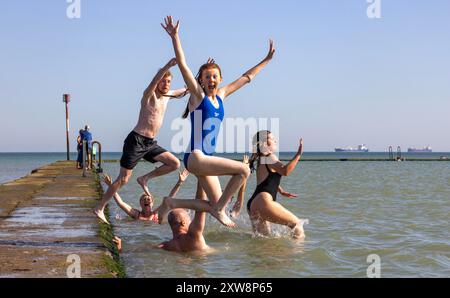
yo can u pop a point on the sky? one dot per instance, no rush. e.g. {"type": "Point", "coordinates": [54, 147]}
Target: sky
{"type": "Point", "coordinates": [338, 78]}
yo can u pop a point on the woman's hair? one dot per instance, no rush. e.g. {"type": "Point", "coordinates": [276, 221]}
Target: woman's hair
{"type": "Point", "coordinates": [258, 139]}
{"type": "Point", "coordinates": [198, 77]}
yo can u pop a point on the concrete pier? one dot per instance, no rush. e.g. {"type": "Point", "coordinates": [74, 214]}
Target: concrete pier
{"type": "Point", "coordinates": [47, 228]}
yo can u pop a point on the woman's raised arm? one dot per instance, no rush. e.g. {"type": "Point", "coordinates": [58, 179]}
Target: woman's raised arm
{"type": "Point", "coordinates": [248, 76]}
{"type": "Point", "coordinates": [188, 77]}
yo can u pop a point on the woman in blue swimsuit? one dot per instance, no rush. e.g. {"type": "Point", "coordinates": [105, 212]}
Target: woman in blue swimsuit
{"type": "Point", "coordinates": [206, 111]}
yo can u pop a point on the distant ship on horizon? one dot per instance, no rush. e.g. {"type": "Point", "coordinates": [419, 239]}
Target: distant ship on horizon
{"type": "Point", "coordinates": [417, 150]}
{"type": "Point", "coordinates": [360, 148]}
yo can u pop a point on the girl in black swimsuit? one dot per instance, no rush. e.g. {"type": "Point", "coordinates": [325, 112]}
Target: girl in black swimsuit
{"type": "Point", "coordinates": [262, 206]}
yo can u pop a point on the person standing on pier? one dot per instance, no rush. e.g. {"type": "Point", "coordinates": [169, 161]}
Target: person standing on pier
{"type": "Point", "coordinates": [86, 135]}
{"type": "Point", "coordinates": [79, 150]}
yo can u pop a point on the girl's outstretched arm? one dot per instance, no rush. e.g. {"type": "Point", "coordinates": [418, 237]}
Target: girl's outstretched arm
{"type": "Point", "coordinates": [133, 213]}
{"type": "Point", "coordinates": [188, 77]}
{"type": "Point", "coordinates": [248, 76]}
{"type": "Point", "coordinates": [274, 164]}
{"type": "Point", "coordinates": [285, 193]}
{"type": "Point", "coordinates": [181, 178]}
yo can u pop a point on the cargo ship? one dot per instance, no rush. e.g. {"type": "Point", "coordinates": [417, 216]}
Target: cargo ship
{"type": "Point", "coordinates": [419, 150]}
{"type": "Point", "coordinates": [360, 148]}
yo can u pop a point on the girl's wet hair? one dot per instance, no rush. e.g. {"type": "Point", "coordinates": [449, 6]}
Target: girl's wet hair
{"type": "Point", "coordinates": [260, 137]}
{"type": "Point", "coordinates": [198, 77]}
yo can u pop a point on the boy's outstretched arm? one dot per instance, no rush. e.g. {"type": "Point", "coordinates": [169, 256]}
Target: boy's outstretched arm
{"type": "Point", "coordinates": [179, 93]}
{"type": "Point", "coordinates": [248, 75]}
{"type": "Point", "coordinates": [159, 75]}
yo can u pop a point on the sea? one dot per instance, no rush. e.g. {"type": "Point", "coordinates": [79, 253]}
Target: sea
{"type": "Point", "coordinates": [385, 217]}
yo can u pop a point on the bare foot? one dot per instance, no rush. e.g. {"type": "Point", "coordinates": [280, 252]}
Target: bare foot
{"type": "Point", "coordinates": [143, 183]}
{"type": "Point", "coordinates": [164, 209]}
{"type": "Point", "coordinates": [223, 218]}
{"type": "Point", "coordinates": [99, 213]}
{"type": "Point", "coordinates": [298, 231]}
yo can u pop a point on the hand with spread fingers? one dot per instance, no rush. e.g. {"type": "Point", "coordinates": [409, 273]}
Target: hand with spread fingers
{"type": "Point", "coordinates": [170, 28]}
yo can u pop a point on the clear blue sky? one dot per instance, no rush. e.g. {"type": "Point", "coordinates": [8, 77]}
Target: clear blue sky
{"type": "Point", "coordinates": [338, 78]}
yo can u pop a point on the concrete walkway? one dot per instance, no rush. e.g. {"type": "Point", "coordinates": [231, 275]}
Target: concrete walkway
{"type": "Point", "coordinates": [46, 223]}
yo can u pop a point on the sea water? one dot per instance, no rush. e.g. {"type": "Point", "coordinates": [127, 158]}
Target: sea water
{"type": "Point", "coordinates": [397, 210]}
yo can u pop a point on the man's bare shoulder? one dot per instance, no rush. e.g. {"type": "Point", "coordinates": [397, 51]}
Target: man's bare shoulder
{"type": "Point", "coordinates": [193, 241]}
{"type": "Point", "coordinates": [148, 97]}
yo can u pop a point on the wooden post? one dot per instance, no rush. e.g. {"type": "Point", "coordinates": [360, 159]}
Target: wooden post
{"type": "Point", "coordinates": [66, 100]}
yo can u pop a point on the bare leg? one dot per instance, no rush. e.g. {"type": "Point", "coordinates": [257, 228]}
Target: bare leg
{"type": "Point", "coordinates": [202, 166]}
{"type": "Point", "coordinates": [124, 175]}
{"type": "Point", "coordinates": [212, 191]}
{"type": "Point", "coordinates": [170, 164]}
{"type": "Point", "coordinates": [260, 226]}
{"type": "Point", "coordinates": [239, 202]}
{"type": "Point", "coordinates": [171, 203]}
{"type": "Point", "coordinates": [266, 209]}
{"type": "Point", "coordinates": [89, 161]}
{"type": "Point", "coordinates": [211, 186]}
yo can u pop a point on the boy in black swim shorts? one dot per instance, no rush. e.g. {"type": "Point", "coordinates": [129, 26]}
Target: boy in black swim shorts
{"type": "Point", "coordinates": [140, 143]}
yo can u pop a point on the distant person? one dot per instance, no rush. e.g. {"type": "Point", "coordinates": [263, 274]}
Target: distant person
{"type": "Point", "coordinates": [146, 213]}
{"type": "Point", "coordinates": [79, 150]}
{"type": "Point", "coordinates": [140, 142]}
{"type": "Point", "coordinates": [262, 206]}
{"type": "Point", "coordinates": [86, 135]}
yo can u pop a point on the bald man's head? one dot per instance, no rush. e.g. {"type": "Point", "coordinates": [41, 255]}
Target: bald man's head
{"type": "Point", "coordinates": [178, 218]}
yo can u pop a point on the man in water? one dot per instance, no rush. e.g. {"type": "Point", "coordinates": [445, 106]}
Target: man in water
{"type": "Point", "coordinates": [187, 234]}
{"type": "Point", "coordinates": [141, 143]}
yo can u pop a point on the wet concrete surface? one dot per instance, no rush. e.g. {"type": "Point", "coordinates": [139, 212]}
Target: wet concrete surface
{"type": "Point", "coordinates": [47, 216]}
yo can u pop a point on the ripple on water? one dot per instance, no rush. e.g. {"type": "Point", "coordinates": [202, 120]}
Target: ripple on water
{"type": "Point", "coordinates": [396, 210]}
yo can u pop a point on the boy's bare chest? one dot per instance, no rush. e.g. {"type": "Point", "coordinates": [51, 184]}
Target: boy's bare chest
{"type": "Point", "coordinates": [156, 106]}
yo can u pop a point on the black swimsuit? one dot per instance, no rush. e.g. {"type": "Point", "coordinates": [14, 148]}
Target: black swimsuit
{"type": "Point", "coordinates": [269, 185]}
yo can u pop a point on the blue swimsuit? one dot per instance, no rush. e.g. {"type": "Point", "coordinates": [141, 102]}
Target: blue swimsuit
{"type": "Point", "coordinates": [205, 125]}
